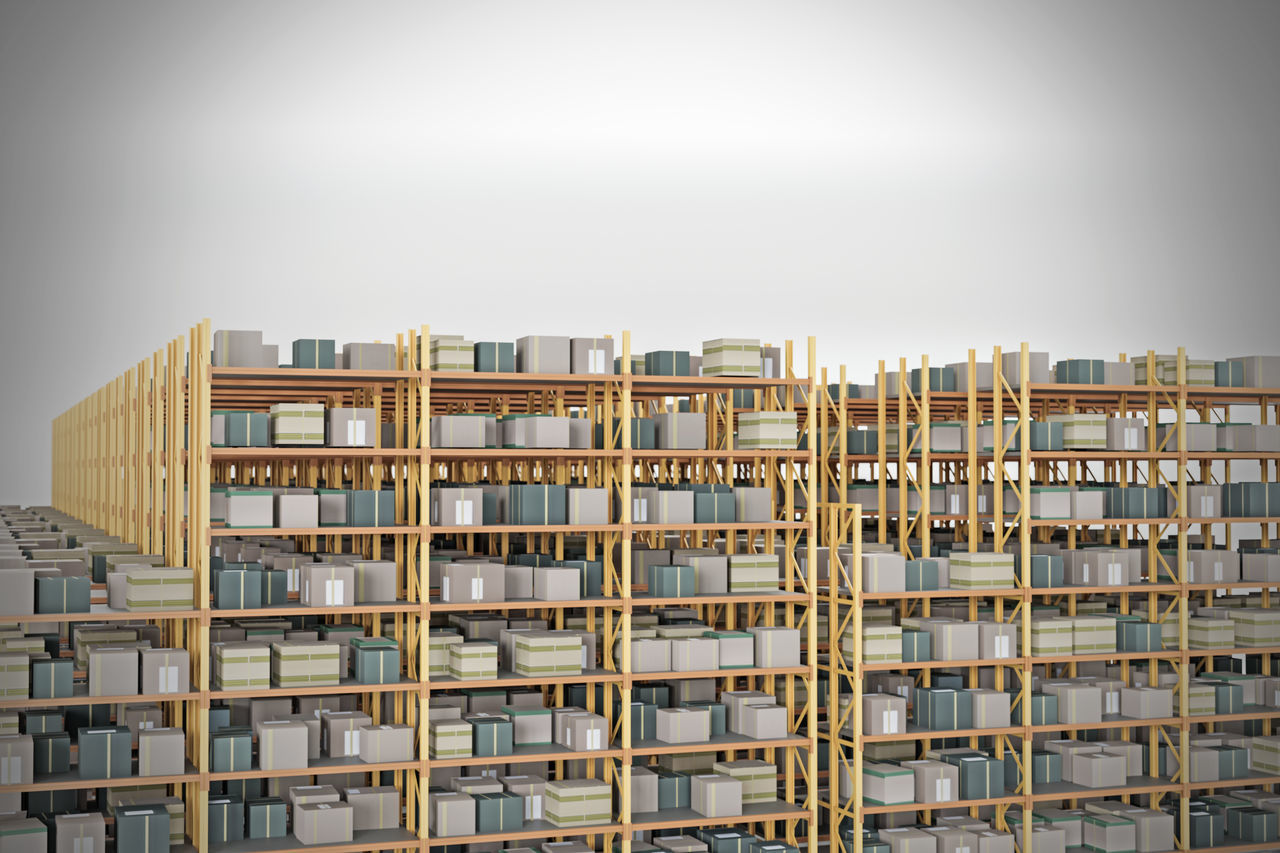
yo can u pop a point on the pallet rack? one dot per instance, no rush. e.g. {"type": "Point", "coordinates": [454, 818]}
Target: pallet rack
{"type": "Point", "coordinates": [1165, 593]}
{"type": "Point", "coordinates": [120, 455]}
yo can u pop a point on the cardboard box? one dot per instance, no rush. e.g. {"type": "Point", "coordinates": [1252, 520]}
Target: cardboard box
{"type": "Point", "coordinates": [473, 582]}
{"type": "Point", "coordinates": [543, 354]}
{"type": "Point", "coordinates": [683, 725]}
{"type": "Point", "coordinates": [105, 752]}
{"type": "Point", "coordinates": [681, 430]}
{"type": "Point", "coordinates": [715, 795]}
{"type": "Point", "coordinates": [451, 354]}
{"type": "Point", "coordinates": [1099, 770]}
{"type": "Point", "coordinates": [884, 714]}
{"type": "Point", "coordinates": [887, 784]}
{"type": "Point", "coordinates": [304, 664]}
{"type": "Point", "coordinates": [591, 355]}
{"type": "Point", "coordinates": [473, 661]}
{"type": "Point", "coordinates": [327, 585]}
{"type": "Point", "coordinates": [74, 833]}
{"type": "Point", "coordinates": [323, 823]}
{"type": "Point", "coordinates": [113, 671]}
{"type": "Point", "coordinates": [241, 666]}
{"type": "Point", "coordinates": [776, 646]}
{"type": "Point", "coordinates": [162, 752]}
{"type": "Point", "coordinates": [297, 424]}
{"type": "Point", "coordinates": [577, 802]}
{"type": "Point", "coordinates": [767, 431]}
{"type": "Point", "coordinates": [935, 781]}
{"type": "Point", "coordinates": [731, 357]}
{"type": "Point", "coordinates": [386, 743]}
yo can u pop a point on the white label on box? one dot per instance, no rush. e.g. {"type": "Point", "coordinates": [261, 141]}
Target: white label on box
{"type": "Point", "coordinates": [1131, 438]}
{"type": "Point", "coordinates": [1217, 570]}
{"type": "Point", "coordinates": [355, 432]}
{"type": "Point", "coordinates": [593, 739]}
{"type": "Point", "coordinates": [982, 503]}
{"type": "Point", "coordinates": [955, 504]}
{"type": "Point", "coordinates": [169, 679]}
{"type": "Point", "coordinates": [146, 724]}
{"type": "Point", "coordinates": [533, 807]}
{"type": "Point", "coordinates": [351, 742]}
{"type": "Point", "coordinates": [585, 662]}
{"type": "Point", "coordinates": [1114, 576]}
{"type": "Point", "coordinates": [1206, 506]}
{"type": "Point", "coordinates": [333, 592]}
{"type": "Point", "coordinates": [462, 512]}
{"type": "Point", "coordinates": [595, 361]}
{"type": "Point", "coordinates": [1002, 647]}
{"type": "Point", "coordinates": [85, 844]}
{"type": "Point", "coordinates": [638, 511]}
{"type": "Point", "coordinates": [444, 587]}
{"type": "Point", "coordinates": [904, 691]}
{"type": "Point", "coordinates": [11, 770]}
{"type": "Point", "coordinates": [1113, 702]}
{"type": "Point", "coordinates": [891, 722]}
{"type": "Point", "coordinates": [942, 790]}
{"type": "Point", "coordinates": [768, 368]}
{"type": "Point", "coordinates": [477, 589]}
{"type": "Point", "coordinates": [292, 578]}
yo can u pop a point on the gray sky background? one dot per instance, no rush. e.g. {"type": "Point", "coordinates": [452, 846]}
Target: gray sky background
{"type": "Point", "coordinates": [894, 177]}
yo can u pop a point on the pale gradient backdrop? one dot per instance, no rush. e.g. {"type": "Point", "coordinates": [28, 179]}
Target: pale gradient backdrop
{"type": "Point", "coordinates": [893, 177]}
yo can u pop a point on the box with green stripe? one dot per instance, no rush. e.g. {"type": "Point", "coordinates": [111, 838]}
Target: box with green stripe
{"type": "Point", "coordinates": [543, 653]}
{"type": "Point", "coordinates": [158, 588]}
{"type": "Point", "coordinates": [767, 431]}
{"type": "Point", "coordinates": [304, 664]}
{"type": "Point", "coordinates": [578, 802]}
{"type": "Point", "coordinates": [297, 424]}
{"type": "Point", "coordinates": [731, 357]}
{"type": "Point", "coordinates": [449, 739]}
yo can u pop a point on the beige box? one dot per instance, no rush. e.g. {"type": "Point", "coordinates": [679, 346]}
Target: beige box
{"type": "Point", "coordinates": [953, 640]}
{"type": "Point", "coordinates": [695, 654]}
{"type": "Point", "coordinates": [547, 653]}
{"type": "Point", "coordinates": [164, 671]}
{"type": "Point", "coordinates": [1127, 434]}
{"type": "Point", "coordinates": [1146, 703]}
{"type": "Point", "coordinates": [78, 833]}
{"type": "Point", "coordinates": [462, 583]}
{"type": "Point", "coordinates": [374, 808]}
{"type": "Point", "coordinates": [776, 647]}
{"type": "Point", "coordinates": [681, 430]}
{"type": "Point", "coordinates": [883, 572]}
{"type": "Point", "coordinates": [386, 743]}
{"type": "Point", "coordinates": [762, 721]}
{"type": "Point", "coordinates": [997, 640]}
{"type": "Point", "coordinates": [990, 708]}
{"type": "Point", "coordinates": [17, 759]}
{"type": "Point", "coordinates": [715, 795]}
{"type": "Point", "coordinates": [1079, 704]}
{"type": "Point", "coordinates": [457, 507]}
{"type": "Point", "coordinates": [241, 666]}
{"type": "Point", "coordinates": [587, 505]}
{"type": "Point", "coordinates": [557, 583]}
{"type": "Point", "coordinates": [449, 738]}
{"type": "Point", "coordinates": [935, 781]}
{"type": "Point", "coordinates": [113, 671]}
{"type": "Point", "coordinates": [283, 744]}
{"type": "Point", "coordinates": [162, 752]}
{"type": "Point", "coordinates": [323, 823]}
{"type": "Point", "coordinates": [375, 580]}
{"type": "Point", "coordinates": [651, 655]}
{"type": "Point", "coordinates": [883, 714]}
{"type": "Point", "coordinates": [683, 725]}
{"type": "Point", "coordinates": [1100, 770]}
{"type": "Point", "coordinates": [327, 585]}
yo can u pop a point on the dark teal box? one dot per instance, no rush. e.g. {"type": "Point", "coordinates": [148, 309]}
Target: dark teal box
{"type": "Point", "coordinates": [943, 709]}
{"type": "Point", "coordinates": [41, 721]}
{"type": "Point", "coordinates": [231, 749]}
{"type": "Point", "coordinates": [52, 753]}
{"type": "Point", "coordinates": [371, 508]}
{"type": "Point", "coordinates": [266, 817]}
{"type": "Point", "coordinates": [142, 829]}
{"type": "Point", "coordinates": [1139, 636]}
{"type": "Point", "coordinates": [1044, 711]}
{"type": "Point", "coordinates": [502, 812]}
{"type": "Point", "coordinates": [246, 429]}
{"type": "Point", "coordinates": [672, 581]}
{"type": "Point", "coordinates": [62, 595]}
{"type": "Point", "coordinates": [226, 819]}
{"type": "Point", "coordinates": [1233, 762]}
{"type": "Point", "coordinates": [105, 753]}
{"type": "Point", "coordinates": [940, 379]}
{"type": "Point", "coordinates": [51, 678]}
{"type": "Point", "coordinates": [237, 589]}
{"type": "Point", "coordinates": [863, 442]}
{"type": "Point", "coordinates": [495, 357]}
{"type": "Point", "coordinates": [654, 694]}
{"type": "Point", "coordinates": [714, 509]}
{"type": "Point", "coordinates": [1081, 371]}
{"type": "Point", "coordinates": [916, 647]}
{"type": "Point", "coordinates": [1229, 699]}
{"type": "Point", "coordinates": [491, 737]}
{"type": "Point", "coordinates": [673, 789]}
{"type": "Point", "coordinates": [644, 435]}
{"type": "Point", "coordinates": [274, 589]}
{"type": "Point", "coordinates": [922, 575]}
{"type": "Point", "coordinates": [666, 363]}
{"type": "Point", "coordinates": [644, 721]}
{"type": "Point", "coordinates": [314, 353]}
{"type": "Point", "coordinates": [981, 777]}
{"type": "Point", "coordinates": [1228, 374]}
{"type": "Point", "coordinates": [1046, 571]}
{"type": "Point", "coordinates": [537, 504]}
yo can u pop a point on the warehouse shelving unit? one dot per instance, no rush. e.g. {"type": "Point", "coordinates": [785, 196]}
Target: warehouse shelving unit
{"type": "Point", "coordinates": [1011, 467]}
{"type": "Point", "coordinates": [119, 455]}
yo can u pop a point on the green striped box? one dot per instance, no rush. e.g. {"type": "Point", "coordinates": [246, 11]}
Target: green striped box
{"type": "Point", "coordinates": [473, 661]}
{"type": "Point", "coordinates": [449, 739]}
{"type": "Point", "coordinates": [731, 357]}
{"type": "Point", "coordinates": [297, 424]}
